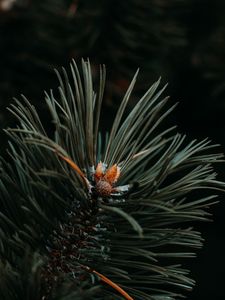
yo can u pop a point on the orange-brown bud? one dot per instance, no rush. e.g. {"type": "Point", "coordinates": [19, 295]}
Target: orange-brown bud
{"type": "Point", "coordinates": [112, 174]}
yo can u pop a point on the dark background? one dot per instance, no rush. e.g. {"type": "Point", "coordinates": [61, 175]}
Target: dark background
{"type": "Point", "coordinates": [181, 40]}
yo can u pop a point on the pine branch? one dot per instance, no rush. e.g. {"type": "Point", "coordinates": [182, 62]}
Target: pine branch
{"type": "Point", "coordinates": [90, 214]}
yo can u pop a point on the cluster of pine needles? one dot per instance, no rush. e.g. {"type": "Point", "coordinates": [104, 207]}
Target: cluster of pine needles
{"type": "Point", "coordinates": [90, 214]}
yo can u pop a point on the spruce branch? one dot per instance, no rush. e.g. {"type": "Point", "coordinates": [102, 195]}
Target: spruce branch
{"type": "Point", "coordinates": [90, 215]}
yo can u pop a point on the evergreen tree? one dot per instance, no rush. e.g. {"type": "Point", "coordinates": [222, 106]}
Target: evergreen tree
{"type": "Point", "coordinates": [180, 40]}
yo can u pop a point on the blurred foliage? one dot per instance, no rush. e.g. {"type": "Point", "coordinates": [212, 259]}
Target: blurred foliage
{"type": "Point", "coordinates": [209, 39]}
{"type": "Point", "coordinates": [36, 35]}
{"type": "Point", "coordinates": [163, 38]}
